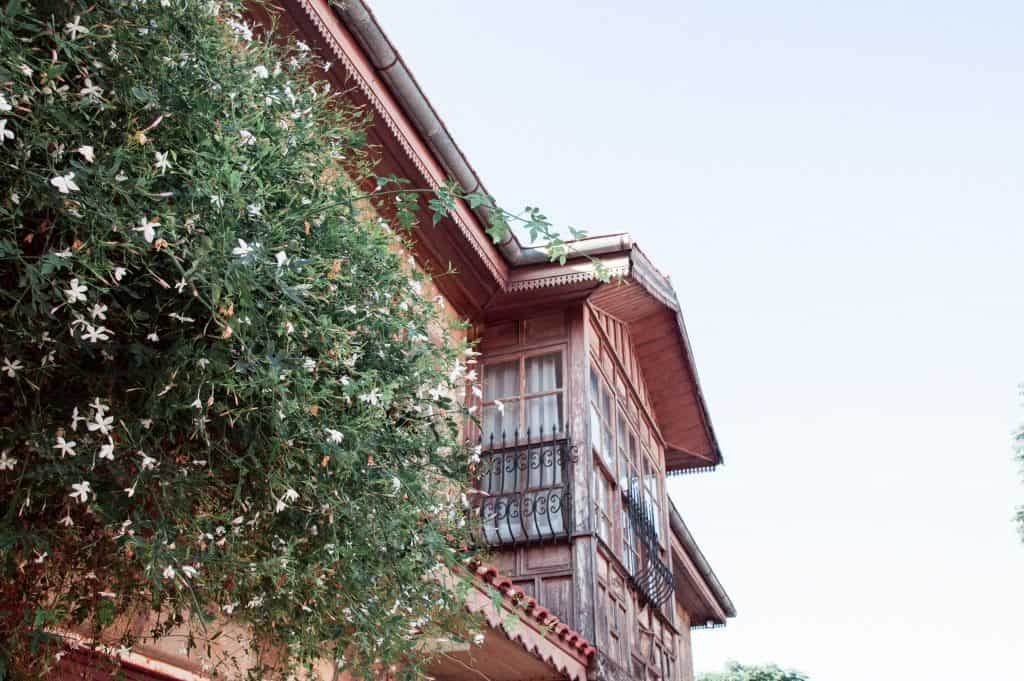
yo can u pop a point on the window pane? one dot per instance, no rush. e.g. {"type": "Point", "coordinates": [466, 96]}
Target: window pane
{"type": "Point", "coordinates": [497, 422]}
{"type": "Point", "coordinates": [501, 380]}
{"type": "Point", "coordinates": [544, 373]}
{"type": "Point", "coordinates": [606, 405]}
{"type": "Point", "coordinates": [595, 429]}
{"type": "Point", "coordinates": [544, 414]}
{"type": "Point", "coordinates": [595, 385]}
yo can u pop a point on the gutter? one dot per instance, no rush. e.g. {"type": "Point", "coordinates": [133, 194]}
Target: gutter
{"type": "Point", "coordinates": [693, 551]}
{"type": "Point", "coordinates": [390, 67]}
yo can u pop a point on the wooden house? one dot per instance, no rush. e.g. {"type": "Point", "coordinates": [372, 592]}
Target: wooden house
{"type": "Point", "coordinates": [590, 399]}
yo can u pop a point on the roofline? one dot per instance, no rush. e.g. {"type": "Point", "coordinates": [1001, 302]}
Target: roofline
{"type": "Point", "coordinates": [697, 556]}
{"type": "Point", "coordinates": [659, 286]}
{"type": "Point", "coordinates": [391, 68]}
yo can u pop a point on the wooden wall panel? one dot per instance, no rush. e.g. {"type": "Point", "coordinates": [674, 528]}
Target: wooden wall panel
{"type": "Point", "coordinates": [546, 557]}
{"type": "Point", "coordinates": [557, 596]}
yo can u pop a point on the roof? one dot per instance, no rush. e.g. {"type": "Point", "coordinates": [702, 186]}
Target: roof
{"type": "Point", "coordinates": [571, 639]}
{"type": "Point", "coordinates": [697, 586]}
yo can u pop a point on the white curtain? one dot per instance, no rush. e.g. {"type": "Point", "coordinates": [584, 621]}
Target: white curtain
{"type": "Point", "coordinates": [543, 374]}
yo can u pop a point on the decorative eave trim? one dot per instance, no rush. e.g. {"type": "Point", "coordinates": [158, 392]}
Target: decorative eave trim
{"type": "Point", "coordinates": [329, 28]}
{"type": "Point", "coordinates": [565, 279]}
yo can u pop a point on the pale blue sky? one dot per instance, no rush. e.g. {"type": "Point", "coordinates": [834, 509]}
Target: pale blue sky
{"type": "Point", "coordinates": [835, 189]}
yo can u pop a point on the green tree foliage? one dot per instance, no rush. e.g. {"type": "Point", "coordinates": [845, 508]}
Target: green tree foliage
{"type": "Point", "coordinates": [1018, 447]}
{"type": "Point", "coordinates": [222, 392]}
{"type": "Point", "coordinates": [734, 671]}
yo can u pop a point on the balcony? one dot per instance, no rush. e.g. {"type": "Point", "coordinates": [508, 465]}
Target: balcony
{"type": "Point", "coordinates": [651, 578]}
{"type": "Point", "coordinates": [524, 492]}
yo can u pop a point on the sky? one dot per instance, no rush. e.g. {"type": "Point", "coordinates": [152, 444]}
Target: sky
{"type": "Point", "coordinates": [834, 188]}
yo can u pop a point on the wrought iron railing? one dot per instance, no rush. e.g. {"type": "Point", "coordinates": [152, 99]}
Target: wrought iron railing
{"type": "Point", "coordinates": [524, 490]}
{"type": "Point", "coordinates": [651, 578]}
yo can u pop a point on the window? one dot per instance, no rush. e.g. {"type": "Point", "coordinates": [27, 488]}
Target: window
{"type": "Point", "coordinates": [601, 438]}
{"type": "Point", "coordinates": [602, 504]}
{"type": "Point", "coordinates": [617, 643]}
{"type": "Point", "coordinates": [523, 395]}
{"type": "Point", "coordinates": [651, 494]}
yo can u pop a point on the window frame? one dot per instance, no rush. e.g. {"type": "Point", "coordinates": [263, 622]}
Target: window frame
{"type": "Point", "coordinates": [521, 398]}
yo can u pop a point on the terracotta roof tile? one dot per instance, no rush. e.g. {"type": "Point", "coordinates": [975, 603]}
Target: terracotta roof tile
{"type": "Point", "coordinates": [563, 632]}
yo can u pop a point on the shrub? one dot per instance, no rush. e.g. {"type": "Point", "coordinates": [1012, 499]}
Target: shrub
{"type": "Point", "coordinates": [218, 397]}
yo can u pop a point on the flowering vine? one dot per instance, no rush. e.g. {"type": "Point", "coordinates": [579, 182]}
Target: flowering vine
{"type": "Point", "coordinates": [223, 395]}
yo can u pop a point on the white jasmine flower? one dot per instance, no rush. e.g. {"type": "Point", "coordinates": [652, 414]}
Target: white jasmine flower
{"type": "Point", "coordinates": [478, 639]}
{"type": "Point", "coordinates": [217, 201]}
{"type": "Point", "coordinates": [500, 406]}
{"type": "Point", "coordinates": [64, 183]}
{"type": "Point", "coordinates": [148, 462]}
{"type": "Point", "coordinates": [168, 572]}
{"type": "Point", "coordinates": [477, 392]}
{"type": "Point", "coordinates": [189, 571]}
{"type": "Point", "coordinates": [153, 337]}
{"type": "Point", "coordinates": [75, 28]}
{"type": "Point", "coordinates": [5, 134]}
{"type": "Point", "coordinates": [146, 423]}
{"type": "Point", "coordinates": [261, 72]}
{"type": "Point", "coordinates": [309, 364]}
{"type": "Point", "coordinates": [66, 521]}
{"type": "Point", "coordinates": [76, 294]}
{"type": "Point", "coordinates": [87, 152]}
{"type": "Point", "coordinates": [162, 163]}
{"type": "Point", "coordinates": [96, 333]}
{"type": "Point", "coordinates": [102, 423]}
{"type": "Point", "coordinates": [335, 436]}
{"type": "Point", "coordinates": [130, 491]}
{"type": "Point", "coordinates": [90, 90]}
{"type": "Point", "coordinates": [98, 311]}
{"type": "Point", "coordinates": [372, 397]}
{"type": "Point", "coordinates": [119, 273]}
{"type": "Point", "coordinates": [82, 490]}
{"type": "Point", "coordinates": [281, 258]}
{"type": "Point", "coordinates": [98, 406]}
{"type": "Point", "coordinates": [289, 327]}
{"type": "Point", "coordinates": [11, 368]}
{"type": "Point", "coordinates": [6, 462]}
{"type": "Point", "coordinates": [396, 484]}
{"type": "Point", "coordinates": [254, 209]}
{"type": "Point", "coordinates": [248, 139]}
{"type": "Point", "coordinates": [180, 286]}
{"type": "Point", "coordinates": [15, 198]}
{"type": "Point", "coordinates": [25, 70]}
{"type": "Point", "coordinates": [243, 249]}
{"type": "Point", "coordinates": [65, 254]}
{"type": "Point", "coordinates": [107, 450]}
{"type": "Point", "coordinates": [75, 418]}
{"type": "Point", "coordinates": [291, 495]}
{"type": "Point", "coordinates": [147, 227]}
{"type": "Point", "coordinates": [40, 557]}
{"type": "Point", "coordinates": [180, 317]}
{"type": "Point", "coordinates": [4, 104]}
{"type": "Point", "coordinates": [66, 448]}
{"type": "Point", "coordinates": [120, 177]}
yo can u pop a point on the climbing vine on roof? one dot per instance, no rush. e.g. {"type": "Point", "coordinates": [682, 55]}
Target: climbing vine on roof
{"type": "Point", "coordinates": [224, 394]}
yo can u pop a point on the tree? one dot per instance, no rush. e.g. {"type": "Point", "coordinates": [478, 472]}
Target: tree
{"type": "Point", "coordinates": [734, 671]}
{"type": "Point", "coordinates": [1018, 446]}
{"type": "Point", "coordinates": [222, 394]}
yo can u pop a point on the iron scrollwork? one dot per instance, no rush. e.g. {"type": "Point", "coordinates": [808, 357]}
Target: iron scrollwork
{"type": "Point", "coordinates": [652, 578]}
{"type": "Point", "coordinates": [524, 489]}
